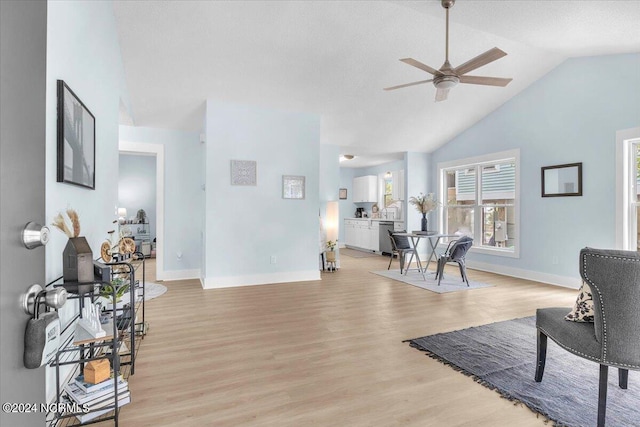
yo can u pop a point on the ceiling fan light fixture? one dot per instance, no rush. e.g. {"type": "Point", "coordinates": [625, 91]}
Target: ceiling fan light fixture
{"type": "Point", "coordinates": [447, 76]}
{"type": "Point", "coordinates": [445, 82]}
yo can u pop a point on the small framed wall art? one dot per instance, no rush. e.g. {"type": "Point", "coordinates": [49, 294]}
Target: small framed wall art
{"type": "Point", "coordinates": [243, 172]}
{"type": "Point", "coordinates": [293, 187]}
{"type": "Point", "coordinates": [562, 180]}
{"type": "Point", "coordinates": [343, 194]}
{"type": "Point", "coordinates": [76, 140]}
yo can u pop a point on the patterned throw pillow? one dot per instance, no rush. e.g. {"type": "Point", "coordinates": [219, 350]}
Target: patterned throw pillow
{"type": "Point", "coordinates": [583, 308]}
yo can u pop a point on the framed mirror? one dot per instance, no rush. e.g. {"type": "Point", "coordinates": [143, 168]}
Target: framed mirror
{"type": "Point", "coordinates": [562, 180]}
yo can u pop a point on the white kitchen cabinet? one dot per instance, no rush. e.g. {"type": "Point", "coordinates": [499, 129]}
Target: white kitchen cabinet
{"type": "Point", "coordinates": [397, 186]}
{"type": "Point", "coordinates": [361, 237]}
{"type": "Point", "coordinates": [361, 233]}
{"type": "Point", "coordinates": [365, 189]}
{"type": "Point", "coordinates": [349, 232]}
{"type": "Point", "coordinates": [374, 234]}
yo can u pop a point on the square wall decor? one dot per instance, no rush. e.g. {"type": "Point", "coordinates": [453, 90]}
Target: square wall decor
{"type": "Point", "coordinates": [243, 172]}
{"type": "Point", "coordinates": [293, 187]}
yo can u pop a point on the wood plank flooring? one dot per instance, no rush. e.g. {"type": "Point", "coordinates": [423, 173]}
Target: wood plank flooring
{"type": "Point", "coordinates": [325, 353]}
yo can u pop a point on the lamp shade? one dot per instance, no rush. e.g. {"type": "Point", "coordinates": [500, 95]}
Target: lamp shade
{"type": "Point", "coordinates": [332, 220]}
{"type": "Point", "coordinates": [122, 212]}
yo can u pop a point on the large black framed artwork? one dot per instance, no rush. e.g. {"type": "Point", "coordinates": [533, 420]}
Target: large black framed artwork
{"type": "Point", "coordinates": [76, 140]}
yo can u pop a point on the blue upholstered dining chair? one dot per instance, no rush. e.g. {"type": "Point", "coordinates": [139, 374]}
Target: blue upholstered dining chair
{"type": "Point", "coordinates": [613, 339]}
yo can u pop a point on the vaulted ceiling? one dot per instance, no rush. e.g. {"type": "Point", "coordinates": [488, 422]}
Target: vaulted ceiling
{"type": "Point", "coordinates": [334, 57]}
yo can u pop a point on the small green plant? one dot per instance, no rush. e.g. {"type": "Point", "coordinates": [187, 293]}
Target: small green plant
{"type": "Point", "coordinates": [121, 288]}
{"type": "Point", "coordinates": [331, 244]}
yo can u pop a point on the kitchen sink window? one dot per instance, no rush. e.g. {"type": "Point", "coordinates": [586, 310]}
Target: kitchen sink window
{"type": "Point", "coordinates": [388, 189]}
{"type": "Point", "coordinates": [480, 199]}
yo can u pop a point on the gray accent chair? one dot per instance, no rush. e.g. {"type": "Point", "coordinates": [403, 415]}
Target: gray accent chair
{"type": "Point", "coordinates": [613, 339]}
{"type": "Point", "coordinates": [456, 252]}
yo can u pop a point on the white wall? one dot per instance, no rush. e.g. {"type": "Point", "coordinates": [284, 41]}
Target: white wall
{"type": "Point", "coordinates": [329, 173]}
{"type": "Point", "coordinates": [183, 203]}
{"type": "Point", "coordinates": [418, 182]}
{"type": "Point", "coordinates": [246, 225]}
{"type": "Point", "coordinates": [83, 50]}
{"type": "Point", "coordinates": [570, 115]}
{"type": "Point", "coordinates": [347, 207]}
{"type": "Point", "coordinates": [137, 187]}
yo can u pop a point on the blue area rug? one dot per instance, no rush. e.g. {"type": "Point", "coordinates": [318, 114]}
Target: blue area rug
{"type": "Point", "coordinates": [502, 356]}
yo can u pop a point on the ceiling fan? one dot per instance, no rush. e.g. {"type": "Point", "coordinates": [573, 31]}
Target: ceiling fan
{"type": "Point", "coordinates": [447, 77]}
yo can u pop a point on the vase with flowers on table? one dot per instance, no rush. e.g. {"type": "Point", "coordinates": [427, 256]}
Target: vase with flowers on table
{"type": "Point", "coordinates": [424, 203]}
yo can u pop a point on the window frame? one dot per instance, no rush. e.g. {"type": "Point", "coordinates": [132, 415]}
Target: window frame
{"type": "Point", "coordinates": [626, 205]}
{"type": "Point", "coordinates": [635, 205]}
{"type": "Point", "coordinates": [478, 162]}
{"type": "Point", "coordinates": [384, 189]}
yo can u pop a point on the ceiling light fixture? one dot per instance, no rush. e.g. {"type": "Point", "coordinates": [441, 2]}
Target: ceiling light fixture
{"type": "Point", "coordinates": [344, 157]}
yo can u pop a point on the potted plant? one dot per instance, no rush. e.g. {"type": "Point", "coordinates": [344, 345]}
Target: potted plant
{"type": "Point", "coordinates": [424, 204]}
{"type": "Point", "coordinates": [121, 288]}
{"type": "Point", "coordinates": [331, 254]}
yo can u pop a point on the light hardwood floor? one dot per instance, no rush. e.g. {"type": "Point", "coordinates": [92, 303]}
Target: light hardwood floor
{"type": "Point", "coordinates": [325, 353]}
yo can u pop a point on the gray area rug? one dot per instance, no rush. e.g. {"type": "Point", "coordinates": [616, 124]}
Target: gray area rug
{"type": "Point", "coordinates": [502, 356]}
{"type": "Point", "coordinates": [450, 282]}
{"type": "Point", "coordinates": [153, 290]}
{"type": "Point", "coordinates": [353, 253]}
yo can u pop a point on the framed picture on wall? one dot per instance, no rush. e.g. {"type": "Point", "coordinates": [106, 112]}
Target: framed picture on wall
{"type": "Point", "coordinates": [76, 140]}
{"type": "Point", "coordinates": [562, 180]}
{"type": "Point", "coordinates": [293, 187]}
{"type": "Point", "coordinates": [343, 194]}
{"type": "Point", "coordinates": [244, 172]}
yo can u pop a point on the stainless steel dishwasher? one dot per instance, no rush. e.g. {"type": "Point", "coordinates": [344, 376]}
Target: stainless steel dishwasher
{"type": "Point", "coordinates": [384, 241]}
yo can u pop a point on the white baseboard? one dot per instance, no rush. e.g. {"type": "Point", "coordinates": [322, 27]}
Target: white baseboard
{"type": "Point", "coordinates": [551, 279]}
{"type": "Point", "coordinates": [180, 274]}
{"type": "Point", "coordinates": [260, 279]}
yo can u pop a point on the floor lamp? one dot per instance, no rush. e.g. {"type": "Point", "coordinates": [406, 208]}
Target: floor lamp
{"type": "Point", "coordinates": [332, 226]}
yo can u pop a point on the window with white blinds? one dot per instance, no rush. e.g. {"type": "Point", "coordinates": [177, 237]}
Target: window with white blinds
{"type": "Point", "coordinates": [480, 199]}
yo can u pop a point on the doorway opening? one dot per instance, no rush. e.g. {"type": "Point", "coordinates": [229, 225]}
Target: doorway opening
{"type": "Point", "coordinates": [141, 188]}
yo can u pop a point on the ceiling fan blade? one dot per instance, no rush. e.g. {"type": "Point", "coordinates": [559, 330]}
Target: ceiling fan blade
{"type": "Point", "coordinates": [420, 65]}
{"type": "Point", "coordinates": [441, 94]}
{"type": "Point", "coordinates": [487, 81]}
{"type": "Point", "coordinates": [407, 84]}
{"type": "Point", "coordinates": [480, 60]}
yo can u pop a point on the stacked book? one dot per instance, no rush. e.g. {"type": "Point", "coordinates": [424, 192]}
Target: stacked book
{"type": "Point", "coordinates": [94, 398]}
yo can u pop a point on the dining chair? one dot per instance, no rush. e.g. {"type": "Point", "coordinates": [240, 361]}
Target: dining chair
{"type": "Point", "coordinates": [613, 338]}
{"type": "Point", "coordinates": [456, 252]}
{"type": "Point", "coordinates": [400, 247]}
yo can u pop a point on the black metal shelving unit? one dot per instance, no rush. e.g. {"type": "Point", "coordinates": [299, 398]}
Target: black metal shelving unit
{"type": "Point", "coordinates": [135, 330]}
{"type": "Point", "coordinates": [124, 329]}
